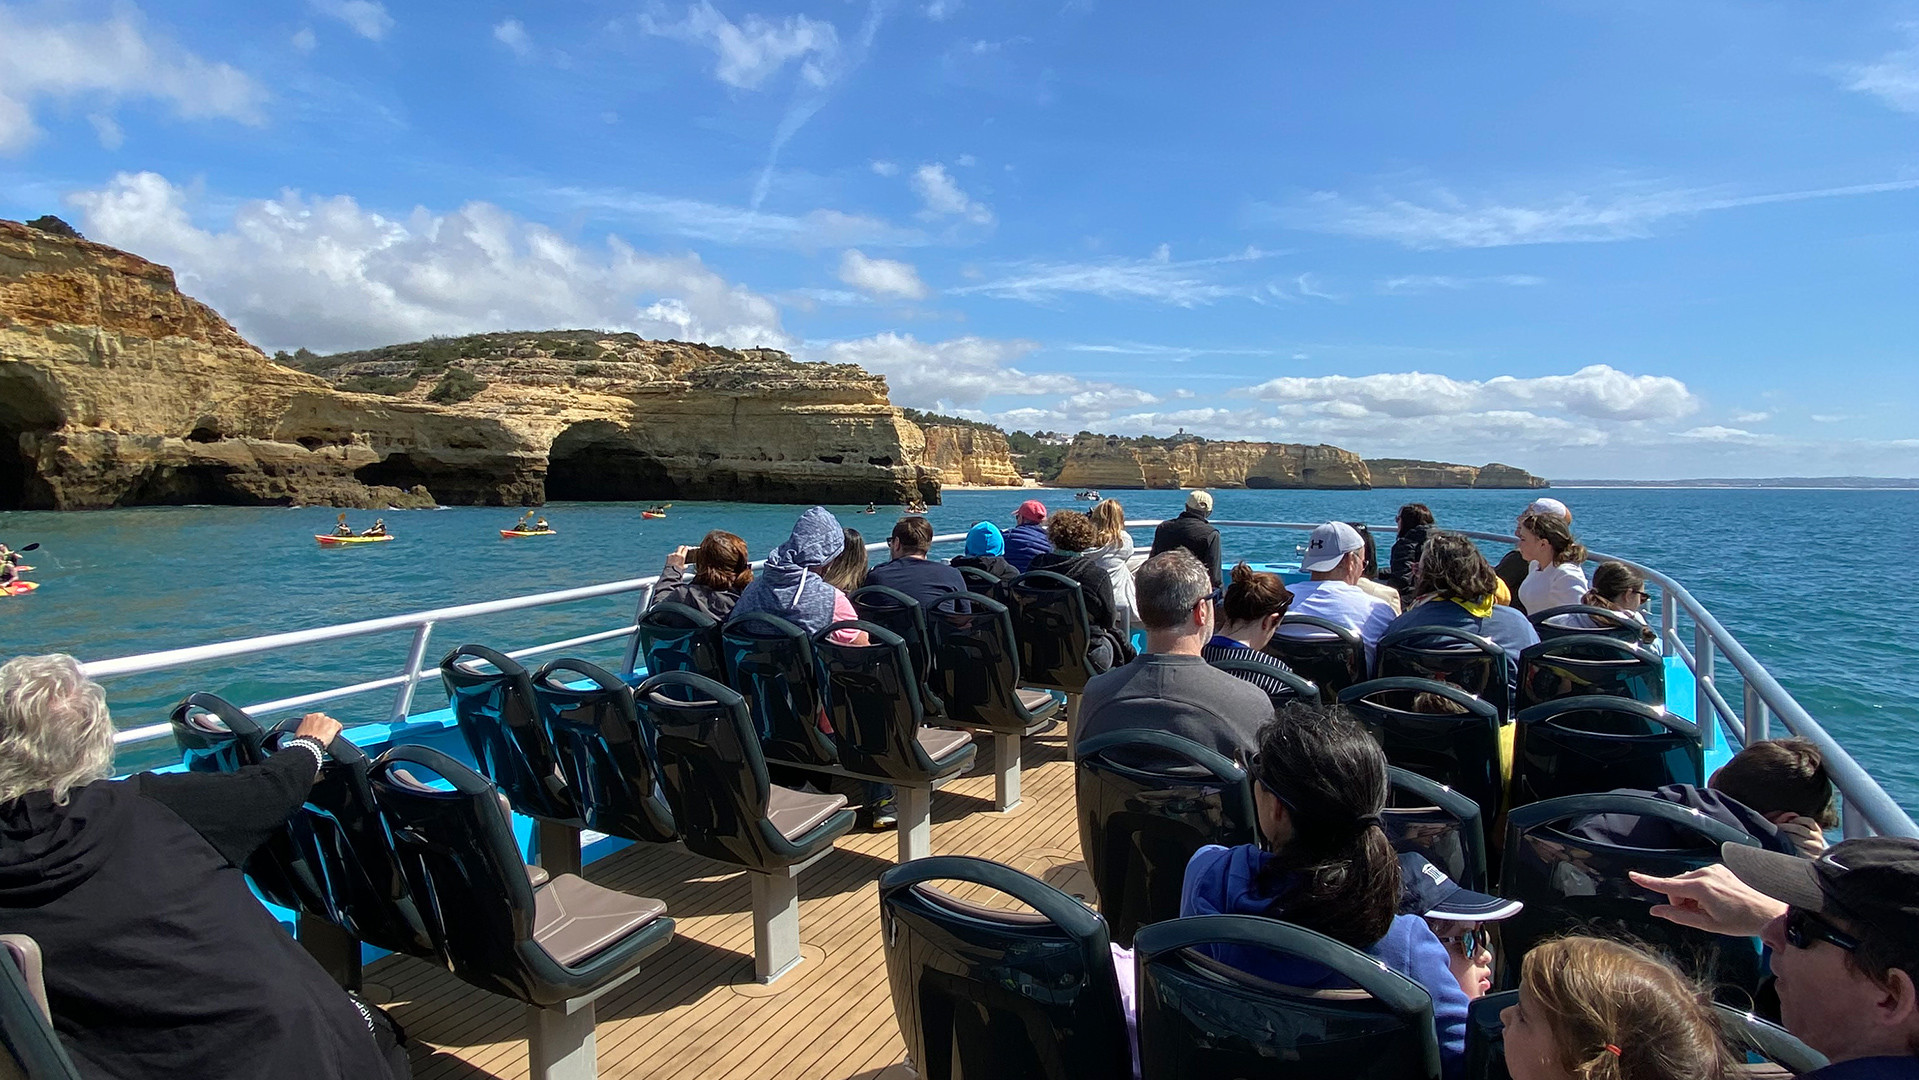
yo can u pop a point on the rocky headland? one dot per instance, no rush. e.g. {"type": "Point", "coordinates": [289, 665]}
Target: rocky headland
{"type": "Point", "coordinates": [1109, 461]}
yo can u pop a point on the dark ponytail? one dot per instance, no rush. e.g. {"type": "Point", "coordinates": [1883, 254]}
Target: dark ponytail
{"type": "Point", "coordinates": [1338, 874]}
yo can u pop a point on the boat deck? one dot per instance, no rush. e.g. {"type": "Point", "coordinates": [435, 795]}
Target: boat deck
{"type": "Point", "coordinates": [696, 1012]}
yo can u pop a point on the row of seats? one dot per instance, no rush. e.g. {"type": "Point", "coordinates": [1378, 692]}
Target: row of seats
{"type": "Point", "coordinates": [415, 853]}
{"type": "Point", "coordinates": [1032, 992]}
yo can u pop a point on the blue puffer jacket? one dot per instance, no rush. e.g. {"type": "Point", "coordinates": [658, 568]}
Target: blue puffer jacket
{"type": "Point", "coordinates": [1025, 541]}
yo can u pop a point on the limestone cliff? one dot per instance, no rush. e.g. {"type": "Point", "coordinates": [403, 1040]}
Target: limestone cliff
{"type": "Point", "coordinates": [1104, 461]}
{"type": "Point", "coordinates": [970, 455]}
{"type": "Point", "coordinates": [1402, 473]}
{"type": "Point", "coordinates": [116, 389]}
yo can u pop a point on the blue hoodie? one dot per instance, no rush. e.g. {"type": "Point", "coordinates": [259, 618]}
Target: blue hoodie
{"type": "Point", "coordinates": [787, 586]}
{"type": "Point", "coordinates": [1223, 881]}
{"type": "Point", "coordinates": [985, 539]}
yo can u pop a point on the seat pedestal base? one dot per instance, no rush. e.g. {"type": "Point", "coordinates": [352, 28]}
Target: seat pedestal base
{"type": "Point", "coordinates": [1072, 723]}
{"type": "Point", "coordinates": [560, 1043]}
{"type": "Point", "coordinates": [776, 920]}
{"type": "Point", "coordinates": [1006, 771]}
{"type": "Point", "coordinates": [916, 822]}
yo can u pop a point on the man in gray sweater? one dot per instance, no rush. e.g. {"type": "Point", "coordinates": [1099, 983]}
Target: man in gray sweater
{"type": "Point", "coordinates": [1170, 687]}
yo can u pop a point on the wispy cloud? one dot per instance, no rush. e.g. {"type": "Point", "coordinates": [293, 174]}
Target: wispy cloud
{"type": "Point", "coordinates": [1424, 283]}
{"type": "Point", "coordinates": [367, 18]}
{"type": "Point", "coordinates": [512, 34]}
{"type": "Point", "coordinates": [1893, 78]}
{"type": "Point", "coordinates": [1597, 391]}
{"type": "Point", "coordinates": [1439, 218]}
{"type": "Point", "coordinates": [942, 197]}
{"type": "Point", "coordinates": [749, 52]}
{"type": "Point", "coordinates": [881, 277]}
{"type": "Point", "coordinates": [1162, 280]}
{"type": "Point", "coordinates": [739, 225]}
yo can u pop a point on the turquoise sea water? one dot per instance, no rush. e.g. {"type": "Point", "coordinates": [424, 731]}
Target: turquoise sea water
{"type": "Point", "coordinates": [1805, 579]}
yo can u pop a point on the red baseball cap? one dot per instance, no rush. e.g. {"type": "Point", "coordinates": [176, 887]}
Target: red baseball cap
{"type": "Point", "coordinates": [1030, 512]}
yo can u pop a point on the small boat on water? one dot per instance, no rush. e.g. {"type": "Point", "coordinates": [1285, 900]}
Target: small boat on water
{"type": "Point", "coordinates": [510, 533]}
{"type": "Point", "coordinates": [1087, 496]}
{"type": "Point", "coordinates": [652, 513]}
{"type": "Point", "coordinates": [18, 588]}
{"type": "Point", "coordinates": [335, 541]}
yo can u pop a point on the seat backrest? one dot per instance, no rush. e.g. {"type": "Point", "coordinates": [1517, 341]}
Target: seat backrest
{"type": "Point", "coordinates": [605, 753]}
{"type": "Point", "coordinates": [868, 694]}
{"type": "Point", "coordinates": [1436, 730]}
{"type": "Point", "coordinates": [967, 979]}
{"type": "Point", "coordinates": [981, 582]}
{"type": "Point", "coordinates": [1574, 620]}
{"type": "Point", "coordinates": [1579, 665]}
{"type": "Point", "coordinates": [1330, 654]}
{"type": "Point", "coordinates": [675, 637]}
{"type": "Point", "coordinates": [711, 768]}
{"type": "Point", "coordinates": [1147, 800]}
{"type": "Point", "coordinates": [29, 1047]}
{"type": "Point", "coordinates": [1200, 1019]}
{"type": "Point", "coordinates": [1572, 746]}
{"type": "Point", "coordinates": [1280, 685]}
{"type": "Point", "coordinates": [493, 701]}
{"type": "Point", "coordinates": [333, 859]}
{"type": "Point", "coordinates": [906, 619]}
{"type": "Point", "coordinates": [1744, 1033]}
{"type": "Point", "coordinates": [769, 661]}
{"type": "Point", "coordinates": [1050, 624]}
{"type": "Point", "coordinates": [1570, 883]}
{"type": "Point", "coordinates": [975, 667]}
{"type": "Point", "coordinates": [1445, 826]}
{"type": "Point", "coordinates": [455, 842]}
{"type": "Point", "coordinates": [1473, 663]}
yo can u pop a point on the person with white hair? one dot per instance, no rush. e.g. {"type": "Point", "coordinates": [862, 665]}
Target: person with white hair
{"type": "Point", "coordinates": [159, 960]}
{"type": "Point", "coordinates": [1514, 567]}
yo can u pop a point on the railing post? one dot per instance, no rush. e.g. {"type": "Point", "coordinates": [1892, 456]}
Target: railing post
{"type": "Point", "coordinates": [1668, 621]}
{"type": "Point", "coordinates": [1703, 712]}
{"type": "Point", "coordinates": [633, 641]}
{"type": "Point", "coordinates": [415, 656]}
{"type": "Point", "coordinates": [1758, 717]}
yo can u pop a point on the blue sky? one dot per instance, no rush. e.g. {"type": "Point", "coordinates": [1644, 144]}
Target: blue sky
{"type": "Point", "coordinates": [1590, 239]}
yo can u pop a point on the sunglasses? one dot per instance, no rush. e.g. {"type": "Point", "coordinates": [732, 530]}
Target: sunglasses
{"type": "Point", "coordinates": [1469, 942]}
{"type": "Point", "coordinates": [1215, 596]}
{"type": "Point", "coordinates": [1803, 928]}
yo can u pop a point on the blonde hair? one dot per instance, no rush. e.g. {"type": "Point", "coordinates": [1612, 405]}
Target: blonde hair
{"type": "Point", "coordinates": [1109, 520]}
{"type": "Point", "coordinates": [1621, 1013]}
{"type": "Point", "coordinates": [55, 732]}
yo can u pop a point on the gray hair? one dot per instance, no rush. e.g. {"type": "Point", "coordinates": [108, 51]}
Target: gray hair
{"type": "Point", "coordinates": [55, 733]}
{"type": "Point", "coordinates": [1167, 586]}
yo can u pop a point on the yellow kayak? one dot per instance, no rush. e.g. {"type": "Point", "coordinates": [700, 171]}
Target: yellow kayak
{"type": "Point", "coordinates": [528, 532]}
{"type": "Point", "coordinates": [15, 588]}
{"type": "Point", "coordinates": [330, 541]}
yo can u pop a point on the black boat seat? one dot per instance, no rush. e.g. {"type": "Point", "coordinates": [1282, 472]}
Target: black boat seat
{"type": "Point", "coordinates": [1330, 655]}
{"type": "Point", "coordinates": [604, 752]}
{"type": "Point", "coordinates": [1438, 730]}
{"type": "Point", "coordinates": [1280, 685]}
{"type": "Point", "coordinates": [1432, 820]}
{"type": "Point", "coordinates": [769, 661]}
{"type": "Point", "coordinates": [675, 637]}
{"type": "Point", "coordinates": [976, 668]}
{"type": "Point", "coordinates": [499, 715]}
{"type": "Point", "coordinates": [29, 1047]}
{"type": "Point", "coordinates": [574, 919]}
{"type": "Point", "coordinates": [1051, 626]}
{"type": "Point", "coordinates": [1475, 664]}
{"type": "Point", "coordinates": [1575, 665]}
{"type": "Point", "coordinates": [795, 813]}
{"type": "Point", "coordinates": [1580, 745]}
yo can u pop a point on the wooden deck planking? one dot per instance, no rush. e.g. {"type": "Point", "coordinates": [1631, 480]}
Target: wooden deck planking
{"type": "Point", "coordinates": [694, 1012]}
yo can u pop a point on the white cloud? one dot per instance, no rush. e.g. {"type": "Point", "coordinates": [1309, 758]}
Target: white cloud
{"type": "Point", "coordinates": [512, 34]}
{"type": "Point", "coordinates": [366, 17]}
{"type": "Point", "coordinates": [1598, 391]}
{"type": "Point", "coordinates": [885, 168]}
{"type": "Point", "coordinates": [104, 62]}
{"type": "Point", "coordinates": [943, 197]}
{"type": "Point", "coordinates": [738, 225]}
{"type": "Point", "coordinates": [1182, 284]}
{"type": "Point", "coordinates": [328, 274]}
{"type": "Point", "coordinates": [939, 375]}
{"type": "Point", "coordinates": [966, 161]}
{"type": "Point", "coordinates": [107, 129]}
{"type": "Point", "coordinates": [1439, 218]}
{"type": "Point", "coordinates": [941, 10]}
{"type": "Point", "coordinates": [305, 40]}
{"type": "Point", "coordinates": [1718, 433]}
{"type": "Point", "coordinates": [1829, 418]}
{"type": "Point", "coordinates": [1893, 78]}
{"type": "Point", "coordinates": [1751, 417]}
{"type": "Point", "coordinates": [754, 49]}
{"type": "Point", "coordinates": [881, 277]}
{"type": "Point", "coordinates": [1420, 283]}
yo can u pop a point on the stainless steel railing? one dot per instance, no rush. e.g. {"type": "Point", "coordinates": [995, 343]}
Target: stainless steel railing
{"type": "Point", "coordinates": [1867, 806]}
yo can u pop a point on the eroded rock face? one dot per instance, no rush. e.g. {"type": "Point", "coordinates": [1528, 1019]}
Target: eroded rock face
{"type": "Point", "coordinates": [969, 455]}
{"type": "Point", "coordinates": [1102, 461]}
{"type": "Point", "coordinates": [1402, 473]}
{"type": "Point", "coordinates": [116, 389]}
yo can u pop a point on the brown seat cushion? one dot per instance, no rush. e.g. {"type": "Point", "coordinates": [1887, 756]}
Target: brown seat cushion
{"type": "Point", "coordinates": [795, 813]}
{"type": "Point", "coordinates": [939, 742]}
{"type": "Point", "coordinates": [1036, 700]}
{"type": "Point", "coordinates": [574, 918]}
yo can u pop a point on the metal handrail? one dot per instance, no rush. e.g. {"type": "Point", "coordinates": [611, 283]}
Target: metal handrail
{"type": "Point", "coordinates": [1868, 807]}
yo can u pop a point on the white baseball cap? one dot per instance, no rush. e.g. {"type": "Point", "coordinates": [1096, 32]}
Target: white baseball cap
{"type": "Point", "coordinates": [1549, 506]}
{"type": "Point", "coordinates": [1329, 544]}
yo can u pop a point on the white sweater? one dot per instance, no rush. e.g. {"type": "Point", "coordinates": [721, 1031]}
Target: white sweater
{"type": "Point", "coordinates": [1554, 586]}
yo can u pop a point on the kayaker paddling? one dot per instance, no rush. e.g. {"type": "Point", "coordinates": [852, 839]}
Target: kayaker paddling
{"type": "Point", "coordinates": [341, 528]}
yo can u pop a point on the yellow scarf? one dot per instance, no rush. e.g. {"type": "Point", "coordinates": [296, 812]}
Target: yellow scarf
{"type": "Point", "coordinates": [1479, 608]}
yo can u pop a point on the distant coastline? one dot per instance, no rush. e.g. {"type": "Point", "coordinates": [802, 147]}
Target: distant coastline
{"type": "Point", "coordinates": [1790, 483]}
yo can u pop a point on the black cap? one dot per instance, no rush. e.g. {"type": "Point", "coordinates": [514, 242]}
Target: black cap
{"type": "Point", "coordinates": [1872, 883]}
{"type": "Point", "coordinates": [1426, 890]}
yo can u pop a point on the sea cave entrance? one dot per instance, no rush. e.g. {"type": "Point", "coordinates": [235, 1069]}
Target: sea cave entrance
{"type": "Point", "coordinates": [27, 409]}
{"type": "Point", "coordinates": [596, 461]}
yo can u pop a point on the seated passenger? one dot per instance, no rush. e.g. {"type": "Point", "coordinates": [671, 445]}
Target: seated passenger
{"type": "Point", "coordinates": [341, 528]}
{"type": "Point", "coordinates": [1324, 863]}
{"type": "Point", "coordinates": [1247, 616]}
{"type": "Point", "coordinates": [847, 570]}
{"type": "Point", "coordinates": [1170, 687]}
{"type": "Point", "coordinates": [1457, 916]}
{"type": "Point", "coordinates": [721, 572]}
{"type": "Point", "coordinates": [378, 529]}
{"type": "Point", "coordinates": [1028, 537]}
{"type": "Point", "coordinates": [1603, 1010]}
{"type": "Point", "coordinates": [1456, 589]}
{"type": "Point", "coordinates": [1558, 574]}
{"type": "Point", "coordinates": [159, 959]}
{"type": "Point", "coordinates": [1415, 521]}
{"type": "Point", "coordinates": [1775, 791]}
{"type": "Point", "coordinates": [1193, 530]}
{"type": "Point", "coordinates": [1073, 537]}
{"type": "Point", "coordinates": [790, 586]}
{"type": "Point", "coordinates": [1513, 567]}
{"type": "Point", "coordinates": [1369, 582]}
{"type": "Point", "coordinates": [1335, 559]}
{"type": "Point", "coordinates": [985, 550]}
{"type": "Point", "coordinates": [1616, 587]}
{"type": "Point", "coordinates": [910, 571]}
{"type": "Point", "coordinates": [1115, 556]}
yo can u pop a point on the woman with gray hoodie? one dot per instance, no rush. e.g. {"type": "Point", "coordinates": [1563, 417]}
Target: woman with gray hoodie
{"type": "Point", "coordinates": [790, 586]}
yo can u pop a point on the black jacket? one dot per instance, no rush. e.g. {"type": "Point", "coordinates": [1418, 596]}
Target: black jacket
{"type": "Point", "coordinates": [676, 588]}
{"type": "Point", "coordinates": [1190, 530]}
{"type": "Point", "coordinates": [1096, 592]}
{"type": "Point", "coordinates": [1512, 570]}
{"type": "Point", "coordinates": [159, 961]}
{"type": "Point", "coordinates": [1399, 568]}
{"type": "Point", "coordinates": [992, 564]}
{"type": "Point", "coordinates": [1629, 831]}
